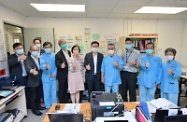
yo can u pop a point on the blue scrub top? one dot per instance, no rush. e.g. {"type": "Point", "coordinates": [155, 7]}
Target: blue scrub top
{"type": "Point", "coordinates": [150, 76]}
{"type": "Point", "coordinates": [169, 83]}
{"type": "Point", "coordinates": [111, 72]}
{"type": "Point", "coordinates": [50, 59]}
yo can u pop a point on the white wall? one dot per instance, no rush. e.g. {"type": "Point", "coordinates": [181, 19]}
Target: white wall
{"type": "Point", "coordinates": [170, 32]}
{"type": "Point", "coordinates": [183, 57]}
{"type": "Point", "coordinates": [75, 26]}
{"type": "Point", "coordinates": [9, 16]}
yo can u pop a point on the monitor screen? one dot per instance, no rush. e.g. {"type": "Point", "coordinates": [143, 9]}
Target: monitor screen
{"type": "Point", "coordinates": [62, 117]}
{"type": "Point", "coordinates": [160, 114]}
{"type": "Point", "coordinates": [178, 118]}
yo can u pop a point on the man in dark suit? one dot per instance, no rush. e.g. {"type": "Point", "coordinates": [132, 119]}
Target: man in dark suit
{"type": "Point", "coordinates": [92, 63]}
{"type": "Point", "coordinates": [34, 80]}
{"type": "Point", "coordinates": [17, 66]}
{"type": "Point", "coordinates": [37, 42]}
{"type": "Point", "coordinates": [62, 71]}
{"type": "Point", "coordinates": [16, 63]}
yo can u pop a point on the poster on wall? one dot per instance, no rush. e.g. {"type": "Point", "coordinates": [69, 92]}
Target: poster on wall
{"type": "Point", "coordinates": [79, 41]}
{"type": "Point", "coordinates": [103, 47]}
{"type": "Point", "coordinates": [3, 63]}
{"type": "Point", "coordinates": [70, 41]}
{"type": "Point", "coordinates": [2, 52]}
{"type": "Point", "coordinates": [96, 37]}
{"type": "Point", "coordinates": [1, 38]}
{"type": "Point", "coordinates": [87, 39]}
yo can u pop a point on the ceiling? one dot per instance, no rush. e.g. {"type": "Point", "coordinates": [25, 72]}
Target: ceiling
{"type": "Point", "coordinates": [96, 8]}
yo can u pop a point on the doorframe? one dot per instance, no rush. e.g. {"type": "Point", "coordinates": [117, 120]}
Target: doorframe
{"type": "Point", "coordinates": [15, 25]}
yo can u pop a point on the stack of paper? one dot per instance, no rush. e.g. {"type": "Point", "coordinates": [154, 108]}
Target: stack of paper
{"type": "Point", "coordinates": [160, 103]}
{"type": "Point", "coordinates": [70, 108]}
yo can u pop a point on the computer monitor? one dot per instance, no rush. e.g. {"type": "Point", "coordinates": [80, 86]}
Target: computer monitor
{"type": "Point", "coordinates": [161, 114]}
{"type": "Point", "coordinates": [178, 118]}
{"type": "Point", "coordinates": [64, 117]}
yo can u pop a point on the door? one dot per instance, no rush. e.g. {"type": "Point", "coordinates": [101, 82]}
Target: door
{"type": "Point", "coordinates": [46, 34]}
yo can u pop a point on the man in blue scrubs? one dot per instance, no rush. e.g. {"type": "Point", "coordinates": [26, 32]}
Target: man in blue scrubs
{"type": "Point", "coordinates": [47, 65]}
{"type": "Point", "coordinates": [110, 70]}
{"type": "Point", "coordinates": [150, 74]}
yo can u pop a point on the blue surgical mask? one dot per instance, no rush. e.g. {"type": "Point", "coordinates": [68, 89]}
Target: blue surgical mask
{"type": "Point", "coordinates": [34, 53]}
{"type": "Point", "coordinates": [64, 46]}
{"type": "Point", "coordinates": [128, 46]}
{"type": "Point", "coordinates": [47, 50]}
{"type": "Point", "coordinates": [149, 51]}
{"type": "Point", "coordinates": [38, 45]}
{"type": "Point", "coordinates": [19, 51]}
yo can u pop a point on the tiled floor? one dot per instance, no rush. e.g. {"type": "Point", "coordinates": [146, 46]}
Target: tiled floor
{"type": "Point", "coordinates": [32, 118]}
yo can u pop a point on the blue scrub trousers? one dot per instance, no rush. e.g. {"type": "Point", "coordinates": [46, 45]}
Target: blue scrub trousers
{"type": "Point", "coordinates": [171, 97]}
{"type": "Point", "coordinates": [114, 88]}
{"type": "Point", "coordinates": [146, 94]}
{"type": "Point", "coordinates": [49, 89]}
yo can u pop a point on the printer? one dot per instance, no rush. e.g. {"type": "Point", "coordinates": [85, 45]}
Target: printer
{"type": "Point", "coordinates": [106, 104]}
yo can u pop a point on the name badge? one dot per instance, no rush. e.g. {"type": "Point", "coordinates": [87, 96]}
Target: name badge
{"type": "Point", "coordinates": [125, 67]}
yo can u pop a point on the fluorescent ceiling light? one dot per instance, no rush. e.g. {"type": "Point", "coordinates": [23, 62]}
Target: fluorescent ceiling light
{"type": "Point", "coordinates": [160, 10]}
{"type": "Point", "coordinates": [59, 7]}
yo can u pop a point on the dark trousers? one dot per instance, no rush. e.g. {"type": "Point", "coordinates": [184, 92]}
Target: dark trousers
{"type": "Point", "coordinates": [35, 94]}
{"type": "Point", "coordinates": [93, 85]}
{"type": "Point", "coordinates": [23, 82]}
{"type": "Point", "coordinates": [63, 96]}
{"type": "Point", "coordinates": [129, 81]}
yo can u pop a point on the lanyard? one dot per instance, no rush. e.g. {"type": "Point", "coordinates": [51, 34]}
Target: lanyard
{"type": "Point", "coordinates": [127, 57]}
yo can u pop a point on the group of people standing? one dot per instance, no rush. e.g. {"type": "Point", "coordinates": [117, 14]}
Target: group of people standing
{"type": "Point", "coordinates": [39, 70]}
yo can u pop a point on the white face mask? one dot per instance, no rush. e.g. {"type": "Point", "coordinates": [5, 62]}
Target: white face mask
{"type": "Point", "coordinates": [38, 45]}
{"type": "Point", "coordinates": [95, 49]}
{"type": "Point", "coordinates": [111, 52]}
{"type": "Point", "coordinates": [169, 57]}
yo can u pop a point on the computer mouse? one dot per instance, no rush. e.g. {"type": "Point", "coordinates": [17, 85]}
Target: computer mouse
{"type": "Point", "coordinates": [57, 107]}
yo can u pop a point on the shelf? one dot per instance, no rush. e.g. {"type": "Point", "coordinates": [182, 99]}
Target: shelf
{"type": "Point", "coordinates": [143, 37]}
{"type": "Point", "coordinates": [15, 100]}
{"type": "Point", "coordinates": [19, 117]}
{"type": "Point", "coordinates": [140, 41]}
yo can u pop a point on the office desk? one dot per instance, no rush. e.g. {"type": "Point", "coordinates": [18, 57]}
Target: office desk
{"type": "Point", "coordinates": [15, 100]}
{"type": "Point", "coordinates": [86, 109]}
